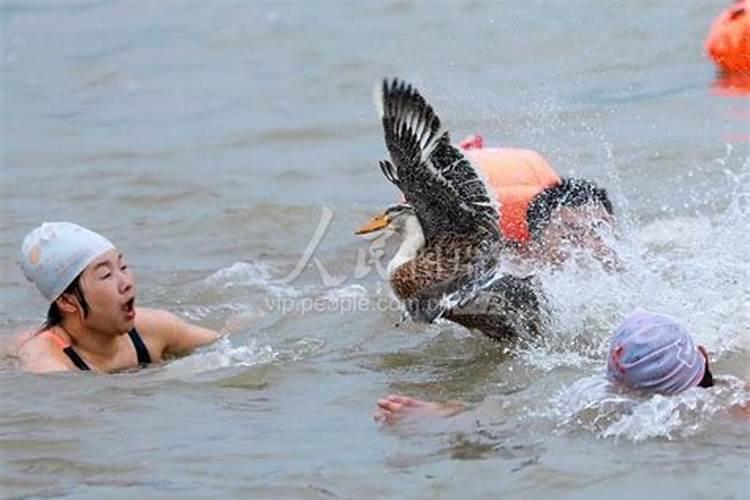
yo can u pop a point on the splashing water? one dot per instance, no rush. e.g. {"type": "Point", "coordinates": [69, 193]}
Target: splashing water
{"type": "Point", "coordinates": [250, 275]}
{"type": "Point", "coordinates": [693, 267]}
{"type": "Point", "coordinates": [595, 405]}
{"type": "Point", "coordinates": [223, 354]}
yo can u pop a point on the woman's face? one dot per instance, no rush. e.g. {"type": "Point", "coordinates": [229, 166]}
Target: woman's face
{"type": "Point", "coordinates": [109, 288]}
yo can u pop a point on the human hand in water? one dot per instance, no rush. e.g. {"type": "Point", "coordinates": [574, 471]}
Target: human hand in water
{"type": "Point", "coordinates": [395, 408]}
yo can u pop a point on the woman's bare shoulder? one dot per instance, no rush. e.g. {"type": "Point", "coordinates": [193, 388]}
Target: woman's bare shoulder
{"type": "Point", "coordinates": [39, 352]}
{"type": "Point", "coordinates": [33, 341]}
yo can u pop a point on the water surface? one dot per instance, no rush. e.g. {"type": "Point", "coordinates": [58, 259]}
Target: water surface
{"type": "Point", "coordinates": [210, 140]}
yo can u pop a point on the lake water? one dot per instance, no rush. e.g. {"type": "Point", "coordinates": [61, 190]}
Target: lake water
{"type": "Point", "coordinates": [230, 148]}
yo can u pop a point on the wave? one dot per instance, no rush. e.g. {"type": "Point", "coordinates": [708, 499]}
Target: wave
{"type": "Point", "coordinates": [222, 354]}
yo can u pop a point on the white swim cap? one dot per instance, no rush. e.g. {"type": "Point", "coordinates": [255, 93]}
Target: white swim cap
{"type": "Point", "coordinates": [53, 254]}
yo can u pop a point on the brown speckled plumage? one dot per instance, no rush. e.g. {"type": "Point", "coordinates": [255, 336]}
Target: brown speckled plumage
{"type": "Point", "coordinates": [459, 220]}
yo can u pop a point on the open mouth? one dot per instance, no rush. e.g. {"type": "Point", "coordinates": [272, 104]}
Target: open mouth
{"type": "Point", "coordinates": [129, 308]}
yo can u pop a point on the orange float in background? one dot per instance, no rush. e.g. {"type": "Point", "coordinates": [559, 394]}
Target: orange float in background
{"type": "Point", "coordinates": [728, 41]}
{"type": "Point", "coordinates": [732, 85]}
{"type": "Point", "coordinates": [516, 176]}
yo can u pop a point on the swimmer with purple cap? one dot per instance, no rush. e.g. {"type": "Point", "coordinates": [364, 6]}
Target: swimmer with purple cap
{"type": "Point", "coordinates": [649, 353]}
{"type": "Point", "coordinates": [653, 353]}
{"type": "Point", "coordinates": [93, 323]}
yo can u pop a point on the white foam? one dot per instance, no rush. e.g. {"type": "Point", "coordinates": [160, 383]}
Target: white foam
{"type": "Point", "coordinates": [244, 273]}
{"type": "Point", "coordinates": [593, 404]}
{"type": "Point", "coordinates": [698, 274]}
{"type": "Point", "coordinates": [251, 275]}
{"type": "Point", "coordinates": [222, 354]}
{"type": "Point", "coordinates": [200, 312]}
{"type": "Point", "coordinates": [352, 291]}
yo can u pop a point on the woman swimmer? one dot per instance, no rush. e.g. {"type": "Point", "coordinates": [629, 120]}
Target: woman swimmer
{"type": "Point", "coordinates": [649, 353]}
{"type": "Point", "coordinates": [92, 322]}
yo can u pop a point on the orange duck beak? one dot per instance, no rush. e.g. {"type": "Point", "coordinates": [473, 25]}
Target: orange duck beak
{"type": "Point", "coordinates": [380, 221]}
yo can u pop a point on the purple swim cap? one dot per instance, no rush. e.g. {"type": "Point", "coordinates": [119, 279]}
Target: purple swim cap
{"type": "Point", "coordinates": [652, 352]}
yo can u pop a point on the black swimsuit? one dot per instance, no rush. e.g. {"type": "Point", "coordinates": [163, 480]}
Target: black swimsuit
{"type": "Point", "coordinates": [140, 349]}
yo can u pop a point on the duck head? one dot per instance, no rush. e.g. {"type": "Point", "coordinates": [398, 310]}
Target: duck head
{"type": "Point", "coordinates": [401, 219]}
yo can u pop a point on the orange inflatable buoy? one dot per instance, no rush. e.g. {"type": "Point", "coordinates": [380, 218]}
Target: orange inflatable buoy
{"type": "Point", "coordinates": [516, 176]}
{"type": "Point", "coordinates": [732, 85]}
{"type": "Point", "coordinates": [728, 41]}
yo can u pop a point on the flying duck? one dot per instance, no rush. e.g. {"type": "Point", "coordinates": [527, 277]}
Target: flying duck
{"type": "Point", "coordinates": [446, 265]}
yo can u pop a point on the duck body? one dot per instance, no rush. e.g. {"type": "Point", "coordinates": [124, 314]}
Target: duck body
{"type": "Point", "coordinates": [509, 307]}
{"type": "Point", "coordinates": [462, 287]}
{"type": "Point", "coordinates": [450, 264]}
{"type": "Point", "coordinates": [451, 242]}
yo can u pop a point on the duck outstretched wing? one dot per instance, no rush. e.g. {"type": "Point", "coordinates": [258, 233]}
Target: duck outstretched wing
{"type": "Point", "coordinates": [445, 189]}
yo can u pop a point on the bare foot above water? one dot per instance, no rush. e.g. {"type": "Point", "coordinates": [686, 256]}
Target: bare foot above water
{"type": "Point", "coordinates": [395, 408]}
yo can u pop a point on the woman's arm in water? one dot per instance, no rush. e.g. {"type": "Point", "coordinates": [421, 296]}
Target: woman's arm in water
{"type": "Point", "coordinates": [174, 335]}
{"type": "Point", "coordinates": [185, 337]}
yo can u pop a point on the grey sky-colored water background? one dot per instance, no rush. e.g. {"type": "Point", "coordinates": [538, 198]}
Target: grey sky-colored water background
{"type": "Point", "coordinates": [216, 142]}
